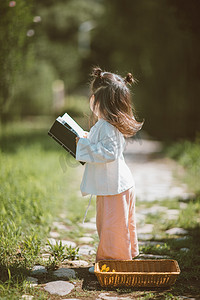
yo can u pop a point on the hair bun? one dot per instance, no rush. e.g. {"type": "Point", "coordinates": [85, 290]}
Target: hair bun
{"type": "Point", "coordinates": [96, 72]}
{"type": "Point", "coordinates": [129, 78]}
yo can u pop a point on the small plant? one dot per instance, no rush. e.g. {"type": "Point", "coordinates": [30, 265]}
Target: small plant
{"type": "Point", "coordinates": [57, 251]}
{"type": "Point", "coordinates": [61, 252]}
{"type": "Point", "coordinates": [156, 249]}
{"type": "Point", "coordinates": [72, 253]}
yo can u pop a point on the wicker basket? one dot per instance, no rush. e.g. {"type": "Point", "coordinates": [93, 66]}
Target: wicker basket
{"type": "Point", "coordinates": [138, 273]}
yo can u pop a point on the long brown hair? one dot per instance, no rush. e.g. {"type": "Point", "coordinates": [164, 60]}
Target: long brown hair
{"type": "Point", "coordinates": [113, 98]}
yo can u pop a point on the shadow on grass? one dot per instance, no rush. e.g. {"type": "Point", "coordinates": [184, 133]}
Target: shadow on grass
{"type": "Point", "coordinates": [18, 273]}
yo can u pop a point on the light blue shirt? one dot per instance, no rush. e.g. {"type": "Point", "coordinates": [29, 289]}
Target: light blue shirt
{"type": "Point", "coordinates": [106, 172]}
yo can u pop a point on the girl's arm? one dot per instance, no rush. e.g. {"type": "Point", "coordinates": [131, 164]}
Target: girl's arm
{"type": "Point", "coordinates": [105, 150]}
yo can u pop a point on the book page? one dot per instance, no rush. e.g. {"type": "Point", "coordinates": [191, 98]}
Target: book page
{"type": "Point", "coordinates": [73, 125]}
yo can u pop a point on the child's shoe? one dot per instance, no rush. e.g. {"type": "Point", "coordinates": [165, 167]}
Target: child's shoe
{"type": "Point", "coordinates": [91, 269]}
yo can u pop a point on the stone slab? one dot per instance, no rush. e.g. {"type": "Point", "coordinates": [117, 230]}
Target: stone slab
{"type": "Point", "coordinates": [65, 273]}
{"type": "Point", "coordinates": [59, 287]}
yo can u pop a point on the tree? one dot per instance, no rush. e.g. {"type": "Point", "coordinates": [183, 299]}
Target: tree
{"type": "Point", "coordinates": [14, 24]}
{"type": "Point", "coordinates": [159, 42]}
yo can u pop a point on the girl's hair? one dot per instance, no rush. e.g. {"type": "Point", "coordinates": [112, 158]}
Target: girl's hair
{"type": "Point", "coordinates": [113, 99]}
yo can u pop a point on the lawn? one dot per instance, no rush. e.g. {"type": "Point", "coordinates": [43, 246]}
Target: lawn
{"type": "Point", "coordinates": [39, 180]}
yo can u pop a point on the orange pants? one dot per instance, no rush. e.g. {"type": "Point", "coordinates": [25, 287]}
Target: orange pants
{"type": "Point", "coordinates": [116, 226]}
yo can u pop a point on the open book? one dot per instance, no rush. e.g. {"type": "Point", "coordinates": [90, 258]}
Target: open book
{"type": "Point", "coordinates": [64, 131]}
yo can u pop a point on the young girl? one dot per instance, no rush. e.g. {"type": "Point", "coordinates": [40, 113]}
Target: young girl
{"type": "Point", "coordinates": [106, 174]}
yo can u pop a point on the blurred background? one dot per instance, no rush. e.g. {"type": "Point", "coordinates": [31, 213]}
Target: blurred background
{"type": "Point", "coordinates": [47, 50]}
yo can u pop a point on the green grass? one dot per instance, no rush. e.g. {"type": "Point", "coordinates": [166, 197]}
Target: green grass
{"type": "Point", "coordinates": [39, 180]}
{"type": "Point", "coordinates": [187, 153]}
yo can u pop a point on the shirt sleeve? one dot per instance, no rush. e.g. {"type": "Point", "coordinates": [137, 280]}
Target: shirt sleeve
{"type": "Point", "coordinates": [105, 150]}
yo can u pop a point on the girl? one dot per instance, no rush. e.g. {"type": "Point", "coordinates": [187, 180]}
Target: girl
{"type": "Point", "coordinates": [106, 174]}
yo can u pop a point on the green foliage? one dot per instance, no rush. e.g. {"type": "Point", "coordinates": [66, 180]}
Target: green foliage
{"type": "Point", "coordinates": [33, 94]}
{"type": "Point", "coordinates": [14, 23]}
{"type": "Point", "coordinates": [159, 42]}
{"type": "Point", "coordinates": [77, 106]}
{"type": "Point", "coordinates": [57, 251]}
{"type": "Point", "coordinates": [156, 249]}
{"type": "Point", "coordinates": [61, 252]}
{"type": "Point", "coordinates": [32, 180]}
{"type": "Point", "coordinates": [187, 154]}
{"type": "Point", "coordinates": [72, 253]}
{"type": "Point", "coordinates": [57, 36]}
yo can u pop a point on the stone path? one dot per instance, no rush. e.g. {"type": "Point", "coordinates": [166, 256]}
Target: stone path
{"type": "Point", "coordinates": [153, 174]}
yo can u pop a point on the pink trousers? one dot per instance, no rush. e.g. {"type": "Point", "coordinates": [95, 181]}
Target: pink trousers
{"type": "Point", "coordinates": [116, 226]}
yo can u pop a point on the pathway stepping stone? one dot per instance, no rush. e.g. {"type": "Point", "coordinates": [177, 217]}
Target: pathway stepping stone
{"type": "Point", "coordinates": [79, 263]}
{"type": "Point", "coordinates": [88, 225]}
{"type": "Point", "coordinates": [183, 205]}
{"type": "Point", "coordinates": [185, 250]}
{"type": "Point", "coordinates": [65, 273]}
{"type": "Point", "coordinates": [63, 216]}
{"type": "Point", "coordinates": [170, 217]}
{"type": "Point", "coordinates": [59, 287]}
{"type": "Point", "coordinates": [46, 256]}
{"type": "Point", "coordinates": [150, 243]}
{"type": "Point", "coordinates": [154, 210]}
{"type": "Point", "coordinates": [38, 270]}
{"type": "Point", "coordinates": [106, 296]}
{"type": "Point", "coordinates": [32, 281]}
{"type": "Point", "coordinates": [145, 236]}
{"type": "Point", "coordinates": [67, 243]}
{"type": "Point", "coordinates": [176, 231]}
{"type": "Point", "coordinates": [86, 250]}
{"type": "Point", "coordinates": [86, 239]}
{"type": "Point", "coordinates": [140, 218]}
{"type": "Point", "coordinates": [54, 234]}
{"type": "Point", "coordinates": [147, 228]}
{"type": "Point", "coordinates": [93, 220]}
{"type": "Point", "coordinates": [60, 225]}
{"type": "Point", "coordinates": [172, 214]}
{"type": "Point", "coordinates": [183, 238]}
{"type": "Point", "coordinates": [161, 184]}
{"type": "Point", "coordinates": [152, 256]}
{"type": "Point", "coordinates": [27, 297]}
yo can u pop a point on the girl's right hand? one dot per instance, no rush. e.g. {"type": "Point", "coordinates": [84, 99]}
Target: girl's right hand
{"type": "Point", "coordinates": [85, 136]}
{"type": "Point", "coordinates": [77, 139]}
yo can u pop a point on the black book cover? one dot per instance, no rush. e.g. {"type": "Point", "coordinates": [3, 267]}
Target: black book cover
{"type": "Point", "coordinates": [64, 131]}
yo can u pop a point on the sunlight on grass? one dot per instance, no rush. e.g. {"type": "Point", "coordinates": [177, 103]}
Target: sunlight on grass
{"type": "Point", "coordinates": [34, 191]}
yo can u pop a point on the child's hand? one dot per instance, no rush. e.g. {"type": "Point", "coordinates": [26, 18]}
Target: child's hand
{"type": "Point", "coordinates": [86, 134]}
{"type": "Point", "coordinates": [77, 139]}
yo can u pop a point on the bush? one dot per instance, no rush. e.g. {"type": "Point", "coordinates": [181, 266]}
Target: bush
{"type": "Point", "coordinates": [33, 94]}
